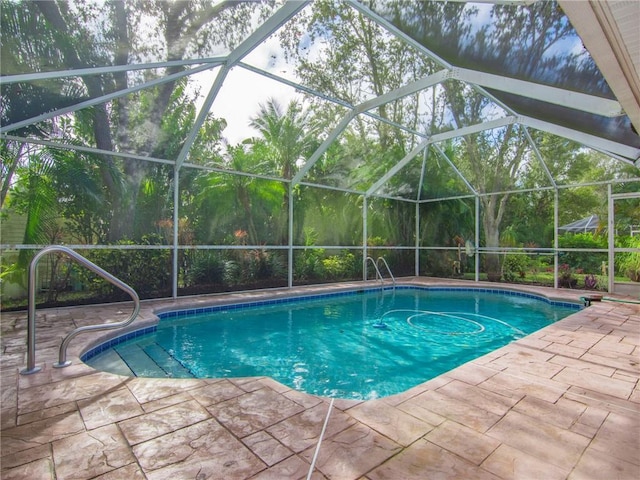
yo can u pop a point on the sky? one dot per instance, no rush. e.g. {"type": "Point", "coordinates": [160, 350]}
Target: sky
{"type": "Point", "coordinates": [243, 91]}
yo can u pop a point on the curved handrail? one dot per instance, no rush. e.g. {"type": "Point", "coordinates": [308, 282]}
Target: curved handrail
{"type": "Point", "coordinates": [31, 319]}
{"type": "Point", "coordinates": [375, 265]}
{"type": "Point", "coordinates": [393, 279]}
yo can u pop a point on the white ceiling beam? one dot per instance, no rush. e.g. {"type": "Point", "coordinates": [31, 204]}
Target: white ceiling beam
{"type": "Point", "coordinates": [397, 167]}
{"type": "Point", "coordinates": [130, 156]}
{"type": "Point", "coordinates": [408, 89]}
{"type": "Point", "coordinates": [264, 31]}
{"type": "Point", "coordinates": [480, 127]}
{"type": "Point", "coordinates": [391, 28]}
{"type": "Point", "coordinates": [471, 129]}
{"type": "Point", "coordinates": [536, 150]}
{"type": "Point", "coordinates": [455, 169]}
{"type": "Point", "coordinates": [609, 31]}
{"type": "Point", "coordinates": [631, 154]}
{"type": "Point", "coordinates": [557, 96]}
{"type": "Point", "coordinates": [81, 72]}
{"type": "Point", "coordinates": [337, 101]}
{"type": "Point", "coordinates": [423, 171]}
{"type": "Point", "coordinates": [103, 98]}
{"type": "Point", "coordinates": [324, 146]}
{"type": "Point", "coordinates": [295, 85]}
{"type": "Point", "coordinates": [80, 148]}
{"type": "Point", "coordinates": [202, 116]}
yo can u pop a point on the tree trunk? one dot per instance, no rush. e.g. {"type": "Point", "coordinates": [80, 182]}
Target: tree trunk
{"type": "Point", "coordinates": [491, 226]}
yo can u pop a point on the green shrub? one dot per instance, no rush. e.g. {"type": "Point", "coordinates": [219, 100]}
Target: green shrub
{"type": "Point", "coordinates": [205, 268]}
{"type": "Point", "coordinates": [148, 272]}
{"type": "Point", "coordinates": [308, 264]}
{"type": "Point", "coordinates": [232, 273]}
{"type": "Point", "coordinates": [586, 261]}
{"type": "Point", "coordinates": [628, 263]}
{"type": "Point", "coordinates": [515, 266]}
{"type": "Point", "coordinates": [337, 267]}
{"type": "Point", "coordinates": [262, 265]}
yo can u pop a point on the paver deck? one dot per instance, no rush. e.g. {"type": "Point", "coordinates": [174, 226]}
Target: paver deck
{"type": "Point", "coordinates": [562, 403]}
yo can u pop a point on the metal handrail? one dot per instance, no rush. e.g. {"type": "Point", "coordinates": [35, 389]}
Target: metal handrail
{"type": "Point", "coordinates": [378, 274]}
{"type": "Point", "coordinates": [388, 269]}
{"type": "Point", "coordinates": [31, 319]}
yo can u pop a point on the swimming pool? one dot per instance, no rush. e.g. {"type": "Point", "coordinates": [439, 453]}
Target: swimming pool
{"type": "Point", "coordinates": [359, 344]}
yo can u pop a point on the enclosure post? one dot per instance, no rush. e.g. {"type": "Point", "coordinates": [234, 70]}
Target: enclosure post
{"type": "Point", "coordinates": [418, 196]}
{"type": "Point", "coordinates": [611, 238]}
{"type": "Point", "coordinates": [417, 254]}
{"type": "Point", "coordinates": [176, 216]}
{"type": "Point", "coordinates": [290, 249]}
{"type": "Point", "coordinates": [555, 238]}
{"type": "Point", "coordinates": [364, 238]}
{"type": "Point", "coordinates": [477, 240]}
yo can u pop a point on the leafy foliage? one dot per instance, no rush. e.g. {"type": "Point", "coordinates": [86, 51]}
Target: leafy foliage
{"type": "Point", "coordinates": [205, 267]}
{"type": "Point", "coordinates": [515, 266]}
{"type": "Point", "coordinates": [629, 263]}
{"type": "Point", "coordinates": [222, 189]}
{"type": "Point", "coordinates": [342, 267]}
{"type": "Point", "coordinates": [586, 261]}
{"type": "Point", "coordinates": [146, 271]}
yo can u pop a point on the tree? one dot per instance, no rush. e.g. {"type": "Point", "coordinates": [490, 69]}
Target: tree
{"type": "Point", "coordinates": [225, 203]}
{"type": "Point", "coordinates": [288, 133]}
{"type": "Point", "coordinates": [115, 33]}
{"type": "Point", "coordinates": [290, 136]}
{"type": "Point", "coordinates": [491, 162]}
{"type": "Point", "coordinates": [520, 42]}
{"type": "Point", "coordinates": [354, 59]}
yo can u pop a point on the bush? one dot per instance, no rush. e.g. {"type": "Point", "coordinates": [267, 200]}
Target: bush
{"type": "Point", "coordinates": [148, 272]}
{"type": "Point", "coordinates": [232, 273]}
{"type": "Point", "coordinates": [515, 266]}
{"type": "Point", "coordinates": [308, 264]}
{"type": "Point", "coordinates": [586, 261]}
{"type": "Point", "coordinates": [205, 268]}
{"type": "Point", "coordinates": [339, 267]}
{"type": "Point", "coordinates": [628, 263]}
{"type": "Point", "coordinates": [590, 281]}
{"type": "Point", "coordinates": [262, 265]}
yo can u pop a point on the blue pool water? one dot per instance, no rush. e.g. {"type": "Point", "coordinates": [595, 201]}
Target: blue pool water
{"type": "Point", "coordinates": [359, 345]}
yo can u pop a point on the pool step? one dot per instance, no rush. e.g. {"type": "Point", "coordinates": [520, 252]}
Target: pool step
{"type": "Point", "coordinates": [151, 360]}
{"type": "Point", "coordinates": [111, 361]}
{"type": "Point", "coordinates": [167, 362]}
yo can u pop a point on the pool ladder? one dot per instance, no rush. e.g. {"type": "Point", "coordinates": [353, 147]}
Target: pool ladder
{"type": "Point", "coordinates": [376, 266]}
{"type": "Point", "coordinates": [31, 319]}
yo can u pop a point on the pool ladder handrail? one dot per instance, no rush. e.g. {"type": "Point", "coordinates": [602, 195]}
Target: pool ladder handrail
{"type": "Point", "coordinates": [31, 319]}
{"type": "Point", "coordinates": [377, 268]}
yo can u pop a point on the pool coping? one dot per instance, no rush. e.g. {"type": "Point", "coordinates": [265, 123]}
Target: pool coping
{"type": "Point", "coordinates": [112, 338]}
{"type": "Point", "coordinates": [583, 368]}
{"type": "Point", "coordinates": [214, 302]}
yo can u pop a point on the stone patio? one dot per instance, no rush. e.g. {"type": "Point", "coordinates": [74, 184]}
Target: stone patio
{"type": "Point", "coordinates": [562, 403]}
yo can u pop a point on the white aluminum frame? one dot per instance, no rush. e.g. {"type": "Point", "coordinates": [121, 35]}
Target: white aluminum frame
{"type": "Point", "coordinates": [477, 80]}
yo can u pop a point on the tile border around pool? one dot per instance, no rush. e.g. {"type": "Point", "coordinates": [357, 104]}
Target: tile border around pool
{"type": "Point", "coordinates": [182, 312]}
{"type": "Point", "coordinates": [319, 296]}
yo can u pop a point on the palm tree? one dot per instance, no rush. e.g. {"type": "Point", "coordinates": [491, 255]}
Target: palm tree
{"type": "Point", "coordinates": [232, 202]}
{"type": "Point", "coordinates": [289, 134]}
{"type": "Point", "coordinates": [290, 137]}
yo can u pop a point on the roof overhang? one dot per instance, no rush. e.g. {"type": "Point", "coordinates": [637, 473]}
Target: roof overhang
{"type": "Point", "coordinates": [609, 30]}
